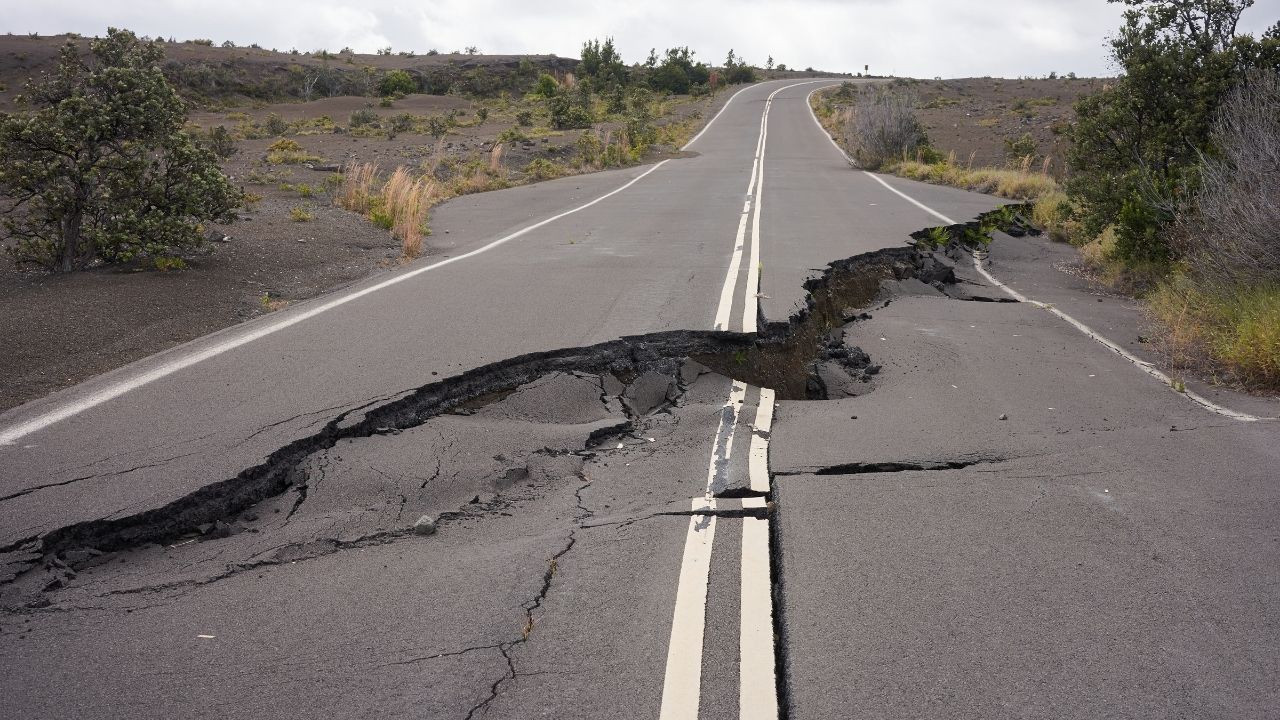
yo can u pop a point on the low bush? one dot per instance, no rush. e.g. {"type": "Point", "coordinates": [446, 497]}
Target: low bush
{"type": "Point", "coordinates": [397, 81]}
{"type": "Point", "coordinates": [219, 141]}
{"type": "Point", "coordinates": [884, 127]}
{"type": "Point", "coordinates": [545, 87]}
{"type": "Point", "coordinates": [399, 123]}
{"type": "Point", "coordinates": [275, 125]}
{"type": "Point", "coordinates": [571, 109]}
{"type": "Point", "coordinates": [364, 117]}
{"type": "Point", "coordinates": [1020, 147]}
{"type": "Point", "coordinates": [544, 169]}
{"type": "Point", "coordinates": [288, 152]}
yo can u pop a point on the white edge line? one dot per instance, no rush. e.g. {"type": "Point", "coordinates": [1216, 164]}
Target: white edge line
{"type": "Point", "coordinates": [1088, 331]}
{"type": "Point", "coordinates": [114, 390]}
{"type": "Point", "coordinates": [682, 682]}
{"type": "Point", "coordinates": [823, 130]}
{"type": "Point", "coordinates": [716, 117]}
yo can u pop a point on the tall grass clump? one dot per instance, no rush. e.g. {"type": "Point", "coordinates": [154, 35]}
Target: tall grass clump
{"type": "Point", "coordinates": [356, 191]}
{"type": "Point", "coordinates": [404, 204]}
{"type": "Point", "coordinates": [399, 206]}
{"type": "Point", "coordinates": [1220, 309]}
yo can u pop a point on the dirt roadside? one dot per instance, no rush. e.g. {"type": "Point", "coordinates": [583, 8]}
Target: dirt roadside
{"type": "Point", "coordinates": [61, 330]}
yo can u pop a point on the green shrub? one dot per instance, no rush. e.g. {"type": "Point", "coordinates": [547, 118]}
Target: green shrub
{"type": "Point", "coordinates": [399, 123]}
{"type": "Point", "coordinates": [1020, 147]}
{"type": "Point", "coordinates": [545, 87]}
{"type": "Point", "coordinates": [544, 169]}
{"type": "Point", "coordinates": [511, 135]}
{"type": "Point", "coordinates": [397, 81]}
{"type": "Point", "coordinates": [275, 125]}
{"type": "Point", "coordinates": [524, 118]}
{"type": "Point", "coordinates": [588, 148]}
{"type": "Point", "coordinates": [219, 141]}
{"type": "Point", "coordinates": [678, 72]}
{"type": "Point", "coordinates": [736, 70]}
{"type": "Point", "coordinates": [602, 64]}
{"type": "Point", "coordinates": [363, 117]}
{"type": "Point", "coordinates": [91, 167]}
{"type": "Point", "coordinates": [1142, 137]}
{"type": "Point", "coordinates": [437, 126]}
{"type": "Point", "coordinates": [571, 109]}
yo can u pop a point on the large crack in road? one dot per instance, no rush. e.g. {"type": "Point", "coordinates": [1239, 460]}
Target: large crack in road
{"type": "Point", "coordinates": [315, 496]}
{"type": "Point", "coordinates": [803, 357]}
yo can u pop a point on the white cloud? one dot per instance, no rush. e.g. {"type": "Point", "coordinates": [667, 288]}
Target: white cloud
{"type": "Point", "coordinates": [923, 38]}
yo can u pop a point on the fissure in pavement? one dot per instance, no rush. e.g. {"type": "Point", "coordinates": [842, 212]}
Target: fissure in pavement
{"type": "Point", "coordinates": [803, 357]}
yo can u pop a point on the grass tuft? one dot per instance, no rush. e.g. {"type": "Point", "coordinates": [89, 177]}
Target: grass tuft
{"type": "Point", "coordinates": [356, 192]}
{"type": "Point", "coordinates": [405, 201]}
{"type": "Point", "coordinates": [289, 152]}
{"type": "Point", "coordinates": [1233, 330]}
{"type": "Point", "coordinates": [1016, 184]}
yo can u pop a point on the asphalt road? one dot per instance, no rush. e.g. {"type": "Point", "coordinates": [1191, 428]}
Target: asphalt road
{"type": "Point", "coordinates": [1001, 516]}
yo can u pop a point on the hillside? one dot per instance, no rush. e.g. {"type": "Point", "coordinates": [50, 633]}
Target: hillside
{"type": "Point", "coordinates": [212, 75]}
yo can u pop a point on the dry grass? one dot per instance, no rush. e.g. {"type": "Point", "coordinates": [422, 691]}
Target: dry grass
{"type": "Point", "coordinates": [495, 158]}
{"type": "Point", "coordinates": [1016, 184]}
{"type": "Point", "coordinates": [1233, 331]}
{"type": "Point", "coordinates": [356, 192]}
{"type": "Point", "coordinates": [400, 205]}
{"type": "Point", "coordinates": [289, 152]}
{"type": "Point", "coordinates": [406, 200]}
{"type": "Point", "coordinates": [1052, 211]}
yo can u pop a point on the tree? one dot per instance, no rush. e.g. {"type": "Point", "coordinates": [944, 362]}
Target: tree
{"type": "Point", "coordinates": [678, 72]}
{"type": "Point", "coordinates": [602, 63]}
{"type": "Point", "coordinates": [1135, 146]}
{"type": "Point", "coordinates": [102, 168]}
{"type": "Point", "coordinates": [768, 64]}
{"type": "Point", "coordinates": [736, 70]}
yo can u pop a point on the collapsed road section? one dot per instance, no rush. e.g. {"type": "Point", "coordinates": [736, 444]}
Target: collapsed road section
{"type": "Point", "coordinates": [548, 480]}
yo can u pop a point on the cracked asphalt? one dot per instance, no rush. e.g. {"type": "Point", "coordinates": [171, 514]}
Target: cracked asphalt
{"type": "Point", "coordinates": [946, 509]}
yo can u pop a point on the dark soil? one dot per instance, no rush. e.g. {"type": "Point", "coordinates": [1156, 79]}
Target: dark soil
{"type": "Point", "coordinates": [61, 329]}
{"type": "Point", "coordinates": [976, 115]}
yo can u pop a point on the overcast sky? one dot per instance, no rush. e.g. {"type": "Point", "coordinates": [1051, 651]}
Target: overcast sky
{"type": "Point", "coordinates": [920, 38]}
